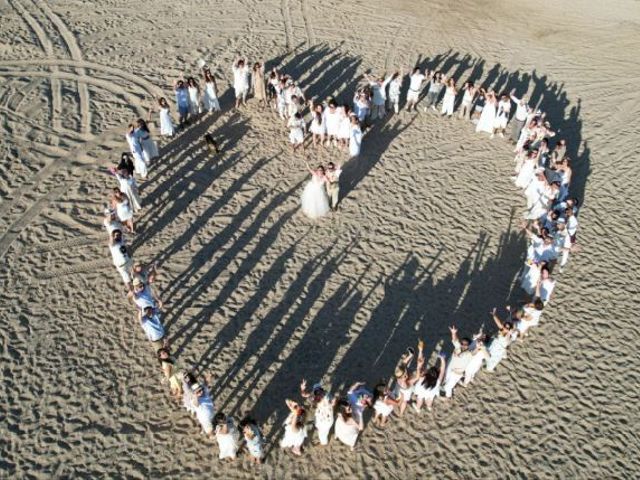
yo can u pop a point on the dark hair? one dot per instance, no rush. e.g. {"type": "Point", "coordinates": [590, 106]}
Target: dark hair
{"type": "Point", "coordinates": [189, 378]}
{"type": "Point", "coordinates": [220, 419]}
{"type": "Point", "coordinates": [431, 377]}
{"type": "Point", "coordinates": [538, 304]}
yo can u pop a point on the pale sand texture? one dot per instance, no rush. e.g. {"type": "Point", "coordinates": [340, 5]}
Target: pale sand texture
{"type": "Point", "coordinates": [261, 297]}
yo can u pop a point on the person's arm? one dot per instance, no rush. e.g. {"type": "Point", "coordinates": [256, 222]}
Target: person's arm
{"type": "Point", "coordinates": [303, 389]}
{"type": "Point", "coordinates": [443, 364]}
{"type": "Point", "coordinates": [355, 386]}
{"type": "Point", "coordinates": [496, 319]}
{"type": "Point", "coordinates": [454, 336]}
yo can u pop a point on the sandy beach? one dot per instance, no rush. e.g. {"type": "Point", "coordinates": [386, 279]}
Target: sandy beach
{"type": "Point", "coordinates": [427, 235]}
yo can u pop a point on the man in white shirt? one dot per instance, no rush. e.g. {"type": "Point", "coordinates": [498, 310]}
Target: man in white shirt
{"type": "Point", "coordinates": [460, 358]}
{"type": "Point", "coordinates": [121, 256]}
{"type": "Point", "coordinates": [415, 87]}
{"type": "Point", "coordinates": [152, 327]}
{"type": "Point", "coordinates": [333, 185]}
{"type": "Point", "coordinates": [520, 118]}
{"type": "Point", "coordinates": [240, 81]}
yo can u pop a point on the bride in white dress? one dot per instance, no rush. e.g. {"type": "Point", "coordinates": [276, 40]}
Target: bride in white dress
{"type": "Point", "coordinates": [488, 116]}
{"type": "Point", "coordinates": [314, 200]}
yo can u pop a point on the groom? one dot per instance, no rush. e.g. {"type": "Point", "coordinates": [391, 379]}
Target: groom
{"type": "Point", "coordinates": [333, 186]}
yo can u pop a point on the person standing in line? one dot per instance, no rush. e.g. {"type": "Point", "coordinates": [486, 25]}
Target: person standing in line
{"type": "Point", "coordinates": [466, 107]}
{"type": "Point", "coordinates": [435, 87]}
{"type": "Point", "coordinates": [416, 80]}
{"type": "Point", "coordinates": [258, 84]}
{"type": "Point", "coordinates": [194, 96]}
{"type": "Point", "coordinates": [240, 81]}
{"type": "Point", "coordinates": [295, 431]}
{"type": "Point", "coordinates": [149, 320]}
{"type": "Point", "coordinates": [449, 100]}
{"type": "Point", "coordinates": [210, 100]}
{"type": "Point", "coordinates": [378, 89]}
{"type": "Point", "coordinates": [332, 174]}
{"type": "Point", "coordinates": [227, 436]}
{"type": "Point", "coordinates": [499, 343]}
{"type": "Point", "coordinates": [395, 86]}
{"type": "Point", "coordinates": [520, 117]}
{"type": "Point", "coordinates": [460, 358]}
{"type": "Point", "coordinates": [139, 165]}
{"type": "Point", "coordinates": [253, 439]}
{"type": "Point", "coordinates": [355, 137]}
{"type": "Point", "coordinates": [182, 101]}
{"type": "Point", "coordinates": [167, 128]}
{"type": "Point", "coordinates": [121, 255]}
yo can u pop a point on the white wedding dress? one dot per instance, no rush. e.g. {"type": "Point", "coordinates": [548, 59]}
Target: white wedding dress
{"type": "Point", "coordinates": [314, 200]}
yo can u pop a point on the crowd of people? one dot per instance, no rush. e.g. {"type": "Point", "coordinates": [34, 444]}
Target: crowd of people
{"type": "Point", "coordinates": [542, 170]}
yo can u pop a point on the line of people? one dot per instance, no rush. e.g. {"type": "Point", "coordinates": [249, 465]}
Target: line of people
{"type": "Point", "coordinates": [543, 173]}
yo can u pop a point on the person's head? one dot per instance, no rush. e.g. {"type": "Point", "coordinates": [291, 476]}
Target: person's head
{"type": "Point", "coordinates": [395, 75]}
{"type": "Point", "coordinates": [561, 225]}
{"type": "Point", "coordinates": [538, 304]}
{"type": "Point", "coordinates": [162, 102]}
{"type": "Point", "coordinates": [298, 116]}
{"type": "Point", "coordinates": [220, 419]}
{"type": "Point", "coordinates": [138, 285]}
{"type": "Point", "coordinates": [241, 63]}
{"type": "Point", "coordinates": [163, 353]}
{"type": "Point", "coordinates": [354, 120]}
{"type": "Point", "coordinates": [568, 212]}
{"type": "Point", "coordinates": [415, 70]}
{"type": "Point", "coordinates": [116, 235]}
{"type": "Point", "coordinates": [332, 105]}
{"type": "Point", "coordinates": [401, 372]}
{"type": "Point", "coordinates": [508, 325]}
{"type": "Point", "coordinates": [180, 84]}
{"type": "Point", "coordinates": [148, 311]}
{"type": "Point", "coordinates": [451, 82]}
{"type": "Point", "coordinates": [189, 378]}
{"type": "Point", "coordinates": [137, 267]}
{"type": "Point", "coordinates": [544, 273]}
{"type": "Point", "coordinates": [331, 166]}
{"type": "Point", "coordinates": [257, 66]}
{"type": "Point", "coordinates": [464, 344]}
{"type": "Point", "coordinates": [320, 170]}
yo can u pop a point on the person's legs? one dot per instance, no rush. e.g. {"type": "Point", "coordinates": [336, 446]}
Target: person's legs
{"type": "Point", "coordinates": [516, 128]}
{"type": "Point", "coordinates": [450, 382]}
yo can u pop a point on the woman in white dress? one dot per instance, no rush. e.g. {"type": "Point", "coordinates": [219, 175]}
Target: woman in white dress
{"type": "Point", "coordinates": [488, 115]}
{"type": "Point", "coordinates": [449, 98]}
{"type": "Point", "coordinates": [528, 317]}
{"type": "Point", "coordinates": [502, 116]}
{"type": "Point", "coordinates": [205, 410]}
{"type": "Point", "coordinates": [395, 85]}
{"type": "Point", "coordinates": [384, 402]}
{"type": "Point", "coordinates": [545, 286]}
{"type": "Point", "coordinates": [166, 124]}
{"type": "Point", "coordinates": [530, 276]}
{"type": "Point", "coordinates": [241, 76]}
{"type": "Point", "coordinates": [194, 96]}
{"type": "Point", "coordinates": [324, 417]}
{"type": "Point", "coordinates": [332, 122]}
{"type": "Point", "coordinates": [499, 343]}
{"type": "Point", "coordinates": [227, 436]}
{"type": "Point", "coordinates": [297, 129]}
{"type": "Point", "coordinates": [123, 210]}
{"type": "Point", "coordinates": [139, 165]}
{"type": "Point", "coordinates": [346, 428]}
{"type": "Point", "coordinates": [314, 200]}
{"type": "Point", "coordinates": [295, 430]}
{"type": "Point", "coordinates": [210, 95]}
{"type": "Point", "coordinates": [355, 138]}
{"type": "Point", "coordinates": [527, 169]}
{"type": "Point", "coordinates": [479, 355]}
{"type": "Point", "coordinates": [149, 146]}
{"type": "Point", "coordinates": [427, 383]}
{"type": "Point", "coordinates": [344, 127]}
{"type": "Point", "coordinates": [127, 185]}
{"type": "Point", "coordinates": [318, 127]}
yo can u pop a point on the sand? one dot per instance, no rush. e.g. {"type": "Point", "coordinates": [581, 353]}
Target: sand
{"type": "Point", "coordinates": [427, 236]}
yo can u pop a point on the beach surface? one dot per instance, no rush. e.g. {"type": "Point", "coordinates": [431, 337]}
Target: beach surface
{"type": "Point", "coordinates": [427, 235]}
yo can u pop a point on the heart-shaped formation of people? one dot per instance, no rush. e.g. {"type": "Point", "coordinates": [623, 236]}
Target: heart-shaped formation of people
{"type": "Point", "coordinates": [542, 170]}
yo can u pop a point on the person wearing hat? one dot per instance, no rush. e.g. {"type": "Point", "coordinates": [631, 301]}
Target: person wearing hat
{"type": "Point", "coordinates": [121, 256]}
{"type": "Point", "coordinates": [152, 327]}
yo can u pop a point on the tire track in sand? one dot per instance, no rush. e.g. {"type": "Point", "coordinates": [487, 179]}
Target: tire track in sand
{"type": "Point", "coordinates": [288, 28]}
{"type": "Point", "coordinates": [47, 46]}
{"type": "Point", "coordinates": [74, 50]}
{"type": "Point", "coordinates": [306, 17]}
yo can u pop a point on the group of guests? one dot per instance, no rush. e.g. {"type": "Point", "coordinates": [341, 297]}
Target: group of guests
{"type": "Point", "coordinates": [542, 171]}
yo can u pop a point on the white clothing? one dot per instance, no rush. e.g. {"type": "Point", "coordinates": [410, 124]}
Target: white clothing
{"type": "Point", "coordinates": [241, 80]}
{"type": "Point", "coordinates": [318, 127]}
{"type": "Point", "coordinates": [332, 121]}
{"type": "Point", "coordinates": [394, 90]}
{"type": "Point", "coordinates": [497, 351]}
{"type": "Point", "coordinates": [210, 98]}
{"type": "Point", "coordinates": [355, 141]}
{"type": "Point", "coordinates": [314, 200]}
{"type": "Point", "coordinates": [530, 278]}
{"type": "Point", "coordinates": [149, 148]}
{"type": "Point", "coordinates": [152, 327]}
{"type": "Point", "coordinates": [425, 393]}
{"type": "Point", "coordinates": [546, 289]}
{"type": "Point", "coordinates": [344, 129]}
{"type": "Point", "coordinates": [382, 408]}
{"type": "Point", "coordinates": [296, 133]}
{"type": "Point", "coordinates": [448, 101]}
{"type": "Point", "coordinates": [205, 411]}
{"type": "Point", "coordinates": [347, 433]}
{"type": "Point", "coordinates": [531, 319]}
{"type": "Point", "coordinates": [522, 109]}
{"type": "Point", "coordinates": [293, 438]}
{"type": "Point", "coordinates": [572, 225]}
{"type": "Point", "coordinates": [166, 124]}
{"type": "Point", "coordinates": [475, 364]}
{"type": "Point", "coordinates": [135, 147]}
{"type": "Point", "coordinates": [415, 87]}
{"type": "Point", "coordinates": [502, 114]}
{"type": "Point", "coordinates": [526, 173]}
{"type": "Point", "coordinates": [112, 225]}
{"type": "Point", "coordinates": [194, 100]}
{"type": "Point", "coordinates": [450, 382]}
{"type": "Point", "coordinates": [487, 118]}
{"type": "Point", "coordinates": [324, 420]}
{"type": "Point", "coordinates": [119, 254]}
{"type": "Point", "coordinates": [129, 187]}
{"type": "Point", "coordinates": [123, 210]}
{"type": "Point", "coordinates": [228, 443]}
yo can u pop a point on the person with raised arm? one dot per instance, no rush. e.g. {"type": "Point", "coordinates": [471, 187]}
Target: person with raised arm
{"type": "Point", "coordinates": [460, 358]}
{"type": "Point", "coordinates": [499, 343]}
{"type": "Point", "coordinates": [241, 74]}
